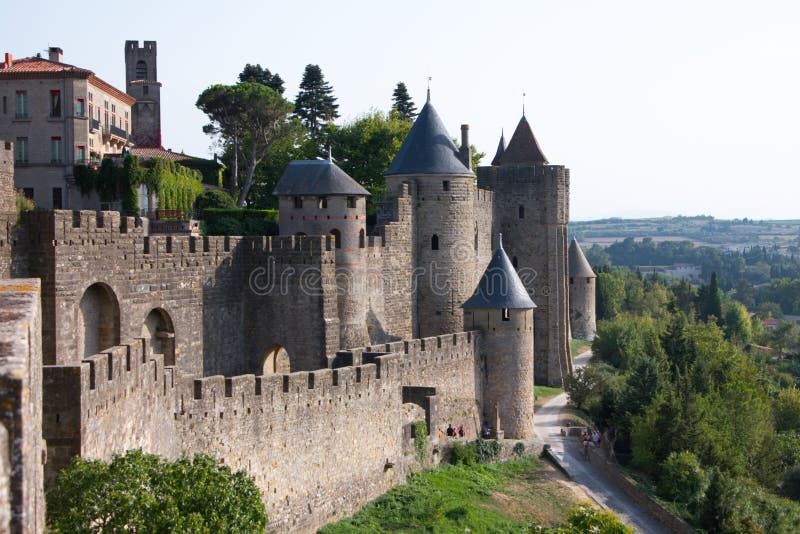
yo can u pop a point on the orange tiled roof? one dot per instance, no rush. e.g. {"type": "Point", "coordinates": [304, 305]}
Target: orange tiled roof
{"type": "Point", "coordinates": [37, 67]}
{"type": "Point", "coordinates": [149, 153]}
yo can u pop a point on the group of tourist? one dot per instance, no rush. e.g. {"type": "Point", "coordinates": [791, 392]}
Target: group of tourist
{"type": "Point", "coordinates": [452, 432]}
{"type": "Point", "coordinates": [590, 438]}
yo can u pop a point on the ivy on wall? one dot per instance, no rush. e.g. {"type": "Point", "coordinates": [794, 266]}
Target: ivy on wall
{"type": "Point", "coordinates": [176, 187]}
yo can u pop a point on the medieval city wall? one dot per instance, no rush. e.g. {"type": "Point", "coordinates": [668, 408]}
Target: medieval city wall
{"type": "Point", "coordinates": [202, 284]}
{"type": "Point", "coordinates": [21, 448]}
{"type": "Point", "coordinates": [346, 426]}
{"type": "Point", "coordinates": [121, 399]}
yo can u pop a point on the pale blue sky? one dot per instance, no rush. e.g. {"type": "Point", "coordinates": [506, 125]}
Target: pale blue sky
{"type": "Point", "coordinates": [658, 108]}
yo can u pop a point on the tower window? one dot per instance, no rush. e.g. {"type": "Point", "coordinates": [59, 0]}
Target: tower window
{"type": "Point", "coordinates": [445, 185]}
{"type": "Point", "coordinates": [323, 203]}
{"type": "Point", "coordinates": [145, 89]}
{"type": "Point", "coordinates": [141, 70]}
{"type": "Point", "coordinates": [361, 238]}
{"type": "Point", "coordinates": [571, 280]}
{"type": "Point", "coordinates": [522, 212]}
{"type": "Point", "coordinates": [506, 314]}
{"type": "Point", "coordinates": [337, 237]}
{"type": "Point", "coordinates": [298, 203]}
{"type": "Point", "coordinates": [435, 242]}
{"type": "Point", "coordinates": [514, 262]}
{"type": "Point", "coordinates": [351, 202]}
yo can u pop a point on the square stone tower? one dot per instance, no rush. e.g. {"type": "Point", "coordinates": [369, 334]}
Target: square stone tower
{"type": "Point", "coordinates": [531, 209]}
{"type": "Point", "coordinates": [141, 82]}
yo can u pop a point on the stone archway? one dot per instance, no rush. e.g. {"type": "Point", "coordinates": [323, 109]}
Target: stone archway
{"type": "Point", "coordinates": [159, 332]}
{"type": "Point", "coordinates": [276, 361]}
{"type": "Point", "coordinates": [97, 320]}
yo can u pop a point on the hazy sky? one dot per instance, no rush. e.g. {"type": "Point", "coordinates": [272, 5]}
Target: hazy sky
{"type": "Point", "coordinates": [658, 108]}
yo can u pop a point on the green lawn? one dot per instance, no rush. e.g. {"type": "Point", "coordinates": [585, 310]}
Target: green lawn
{"type": "Point", "coordinates": [491, 498]}
{"type": "Point", "coordinates": [578, 346]}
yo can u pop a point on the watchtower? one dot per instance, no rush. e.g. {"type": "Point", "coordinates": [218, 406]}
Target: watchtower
{"type": "Point", "coordinates": [501, 309]}
{"type": "Point", "coordinates": [442, 188]}
{"type": "Point", "coordinates": [316, 197]}
{"type": "Point", "coordinates": [531, 208]}
{"type": "Point", "coordinates": [141, 82]}
{"type": "Point", "coordinates": [581, 294]}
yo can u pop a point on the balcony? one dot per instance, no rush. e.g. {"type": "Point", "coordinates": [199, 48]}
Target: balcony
{"type": "Point", "coordinates": [117, 137]}
{"type": "Point", "coordinates": [94, 125]}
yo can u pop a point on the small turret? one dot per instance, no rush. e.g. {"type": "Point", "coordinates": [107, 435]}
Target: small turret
{"type": "Point", "coordinates": [501, 148]}
{"type": "Point", "coordinates": [581, 294]}
{"type": "Point", "coordinates": [503, 312]}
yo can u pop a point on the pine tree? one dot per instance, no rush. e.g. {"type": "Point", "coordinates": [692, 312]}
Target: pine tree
{"type": "Point", "coordinates": [258, 74]}
{"type": "Point", "coordinates": [315, 103]}
{"type": "Point", "coordinates": [402, 103]}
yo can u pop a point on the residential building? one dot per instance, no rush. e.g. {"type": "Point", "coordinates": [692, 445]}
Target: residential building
{"type": "Point", "coordinates": [59, 115]}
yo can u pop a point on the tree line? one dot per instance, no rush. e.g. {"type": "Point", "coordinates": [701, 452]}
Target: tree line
{"type": "Point", "coordinates": [692, 396]}
{"type": "Point", "coordinates": [258, 131]}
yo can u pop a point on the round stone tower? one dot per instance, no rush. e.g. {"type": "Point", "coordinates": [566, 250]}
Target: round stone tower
{"type": "Point", "coordinates": [502, 311]}
{"type": "Point", "coordinates": [316, 197]}
{"type": "Point", "coordinates": [443, 189]}
{"type": "Point", "coordinates": [581, 294]}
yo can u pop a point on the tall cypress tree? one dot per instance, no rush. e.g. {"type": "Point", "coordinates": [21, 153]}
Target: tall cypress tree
{"type": "Point", "coordinates": [402, 103]}
{"type": "Point", "coordinates": [315, 103]}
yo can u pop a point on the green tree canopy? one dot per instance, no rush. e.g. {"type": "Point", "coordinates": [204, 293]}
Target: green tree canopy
{"type": "Point", "coordinates": [402, 103]}
{"type": "Point", "coordinates": [141, 492]}
{"type": "Point", "coordinates": [250, 117]}
{"type": "Point", "coordinates": [258, 74]}
{"type": "Point", "coordinates": [315, 104]}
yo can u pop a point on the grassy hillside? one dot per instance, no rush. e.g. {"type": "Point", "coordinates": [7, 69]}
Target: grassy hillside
{"type": "Point", "coordinates": [502, 497]}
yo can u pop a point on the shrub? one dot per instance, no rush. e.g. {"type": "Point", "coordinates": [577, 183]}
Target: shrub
{"type": "Point", "coordinates": [682, 478]}
{"type": "Point", "coordinates": [421, 440]}
{"type": "Point", "coordinates": [463, 454]}
{"type": "Point", "coordinates": [584, 518]}
{"type": "Point", "coordinates": [249, 221]}
{"type": "Point", "coordinates": [519, 449]}
{"type": "Point", "coordinates": [141, 492]}
{"type": "Point", "coordinates": [486, 450]}
{"type": "Point", "coordinates": [787, 410]}
{"type": "Point", "coordinates": [791, 483]}
{"type": "Point", "coordinates": [23, 204]}
{"type": "Point", "coordinates": [215, 199]}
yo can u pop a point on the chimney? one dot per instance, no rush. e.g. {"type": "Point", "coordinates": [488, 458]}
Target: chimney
{"type": "Point", "coordinates": [464, 152]}
{"type": "Point", "coordinates": [9, 60]}
{"type": "Point", "coordinates": [56, 54]}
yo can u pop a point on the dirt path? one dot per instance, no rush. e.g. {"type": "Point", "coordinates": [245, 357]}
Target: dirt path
{"type": "Point", "coordinates": [583, 473]}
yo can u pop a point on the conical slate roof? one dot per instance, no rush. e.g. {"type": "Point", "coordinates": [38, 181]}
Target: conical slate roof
{"type": "Point", "coordinates": [428, 148]}
{"type": "Point", "coordinates": [500, 286]}
{"type": "Point", "coordinates": [317, 177]}
{"type": "Point", "coordinates": [501, 148]}
{"type": "Point", "coordinates": [523, 147]}
{"type": "Point", "coordinates": [578, 266]}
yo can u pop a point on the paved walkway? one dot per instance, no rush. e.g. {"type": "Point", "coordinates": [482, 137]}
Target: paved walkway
{"type": "Point", "coordinates": [590, 479]}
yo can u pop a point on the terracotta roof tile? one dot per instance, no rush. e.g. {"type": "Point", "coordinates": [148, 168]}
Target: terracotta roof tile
{"type": "Point", "coordinates": [38, 64]}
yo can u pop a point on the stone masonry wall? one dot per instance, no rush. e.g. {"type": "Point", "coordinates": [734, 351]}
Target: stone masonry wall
{"type": "Point", "coordinates": [20, 407]}
{"type": "Point", "coordinates": [202, 284]}
{"type": "Point", "coordinates": [345, 426]}
{"type": "Point", "coordinates": [111, 402]}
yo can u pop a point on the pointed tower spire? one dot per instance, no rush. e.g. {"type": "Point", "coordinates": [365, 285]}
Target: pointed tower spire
{"type": "Point", "coordinates": [578, 264]}
{"type": "Point", "coordinates": [428, 100]}
{"type": "Point", "coordinates": [523, 147]}
{"type": "Point", "coordinates": [501, 148]}
{"type": "Point", "coordinates": [500, 286]}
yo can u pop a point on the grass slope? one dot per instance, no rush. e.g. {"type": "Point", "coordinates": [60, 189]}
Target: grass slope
{"type": "Point", "coordinates": [490, 498]}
